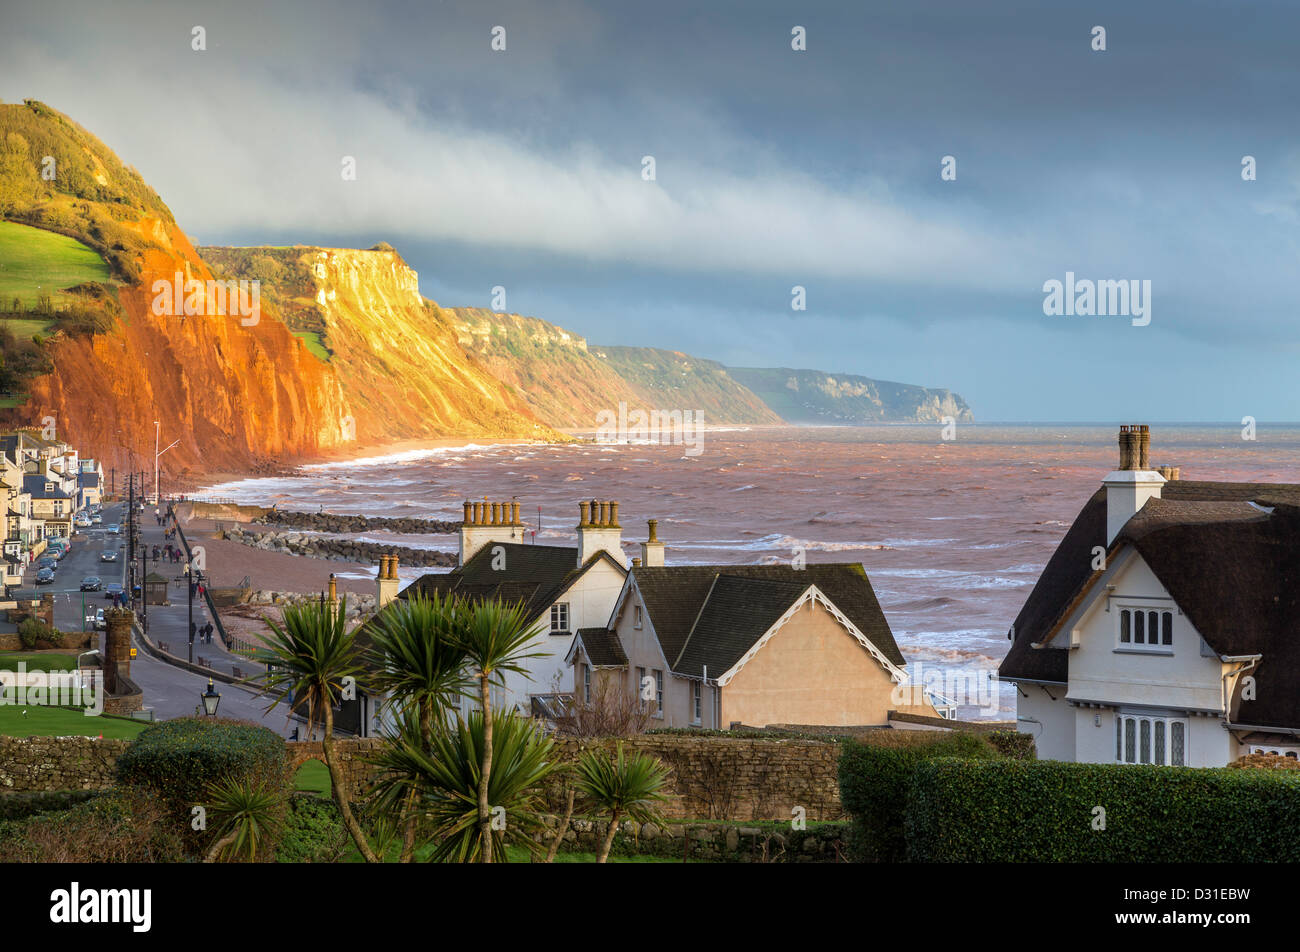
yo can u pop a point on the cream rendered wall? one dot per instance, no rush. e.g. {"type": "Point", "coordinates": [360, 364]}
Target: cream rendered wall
{"type": "Point", "coordinates": [643, 650]}
{"type": "Point", "coordinates": [1053, 724]}
{"type": "Point", "coordinates": [811, 671]}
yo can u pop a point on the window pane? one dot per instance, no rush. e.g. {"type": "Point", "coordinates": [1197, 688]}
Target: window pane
{"type": "Point", "coordinates": [1130, 739]}
{"type": "Point", "coordinates": [1139, 627]}
{"type": "Point", "coordinates": [1153, 626]}
{"type": "Point", "coordinates": [1146, 742]}
{"type": "Point", "coordinates": [1176, 743]}
{"type": "Point", "coordinates": [1123, 626]}
{"type": "Point", "coordinates": [1160, 742]}
{"type": "Point", "coordinates": [1168, 634]}
{"type": "Point", "coordinates": [1119, 739]}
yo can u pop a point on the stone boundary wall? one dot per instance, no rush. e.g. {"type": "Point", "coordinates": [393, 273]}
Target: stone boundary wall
{"type": "Point", "coordinates": [713, 778]}
{"type": "Point", "coordinates": [58, 763]}
{"type": "Point", "coordinates": [707, 842]}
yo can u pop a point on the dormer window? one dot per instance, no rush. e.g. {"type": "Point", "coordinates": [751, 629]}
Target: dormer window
{"type": "Point", "coordinates": [1146, 629]}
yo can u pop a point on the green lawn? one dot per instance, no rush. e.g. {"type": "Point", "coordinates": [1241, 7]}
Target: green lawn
{"type": "Point", "coordinates": [62, 722]}
{"type": "Point", "coordinates": [23, 328]}
{"type": "Point", "coordinates": [34, 262]}
{"type": "Point", "coordinates": [37, 661]}
{"type": "Point", "coordinates": [313, 777]}
{"type": "Point", "coordinates": [314, 344]}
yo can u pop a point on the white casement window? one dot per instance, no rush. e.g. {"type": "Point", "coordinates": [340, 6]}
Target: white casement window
{"type": "Point", "coordinates": [560, 617]}
{"type": "Point", "coordinates": [640, 688]}
{"type": "Point", "coordinates": [1144, 739]}
{"type": "Point", "coordinates": [659, 693]}
{"type": "Point", "coordinates": [696, 701]}
{"type": "Point", "coordinates": [586, 683]}
{"type": "Point", "coordinates": [1146, 628]}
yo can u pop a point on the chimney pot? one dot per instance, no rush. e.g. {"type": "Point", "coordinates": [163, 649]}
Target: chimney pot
{"type": "Point", "coordinates": [583, 522]}
{"type": "Point", "coordinates": [496, 514]}
{"type": "Point", "coordinates": [604, 514]}
{"type": "Point", "coordinates": [653, 525]}
{"type": "Point", "coordinates": [636, 563]}
{"type": "Point", "coordinates": [613, 515]}
{"type": "Point", "coordinates": [514, 514]}
{"type": "Point", "coordinates": [467, 515]}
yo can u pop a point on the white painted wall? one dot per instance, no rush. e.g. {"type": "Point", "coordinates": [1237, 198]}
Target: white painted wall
{"type": "Point", "coordinates": [1053, 724]}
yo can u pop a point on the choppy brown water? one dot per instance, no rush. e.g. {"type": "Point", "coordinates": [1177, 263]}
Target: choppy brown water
{"type": "Point", "coordinates": [953, 534]}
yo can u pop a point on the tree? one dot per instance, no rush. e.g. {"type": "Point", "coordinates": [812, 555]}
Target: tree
{"type": "Point", "coordinates": [621, 787]}
{"type": "Point", "coordinates": [495, 637]}
{"type": "Point", "coordinates": [310, 656]}
{"type": "Point", "coordinates": [248, 815]}
{"type": "Point", "coordinates": [444, 769]}
{"type": "Point", "coordinates": [422, 665]}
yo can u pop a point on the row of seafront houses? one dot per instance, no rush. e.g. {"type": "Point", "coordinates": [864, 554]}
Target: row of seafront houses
{"type": "Point", "coordinates": [1164, 630]}
{"type": "Point", "coordinates": [45, 483]}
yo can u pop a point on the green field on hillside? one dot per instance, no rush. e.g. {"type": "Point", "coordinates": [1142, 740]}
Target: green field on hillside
{"type": "Point", "coordinates": [314, 344]}
{"type": "Point", "coordinates": [34, 262]}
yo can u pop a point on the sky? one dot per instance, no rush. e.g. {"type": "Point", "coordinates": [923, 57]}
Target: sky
{"type": "Point", "coordinates": [820, 168]}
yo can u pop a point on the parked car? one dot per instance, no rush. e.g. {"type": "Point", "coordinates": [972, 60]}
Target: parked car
{"type": "Point", "coordinates": [113, 588]}
{"type": "Point", "coordinates": [99, 620]}
{"type": "Point", "coordinates": [91, 583]}
{"type": "Point", "coordinates": [108, 556]}
{"type": "Point", "coordinates": [44, 576]}
{"type": "Point", "coordinates": [47, 562]}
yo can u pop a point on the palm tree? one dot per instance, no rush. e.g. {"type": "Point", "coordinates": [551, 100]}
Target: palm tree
{"type": "Point", "coordinates": [495, 637]}
{"type": "Point", "coordinates": [310, 656]}
{"type": "Point", "coordinates": [622, 787]}
{"type": "Point", "coordinates": [248, 813]}
{"type": "Point", "coordinates": [444, 769]}
{"type": "Point", "coordinates": [422, 665]}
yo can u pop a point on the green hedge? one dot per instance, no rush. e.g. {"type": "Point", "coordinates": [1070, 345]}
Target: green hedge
{"type": "Point", "coordinates": [1013, 745]}
{"type": "Point", "coordinates": [1045, 812]}
{"type": "Point", "coordinates": [178, 758]}
{"type": "Point", "coordinates": [874, 781]}
{"type": "Point", "coordinates": [14, 806]}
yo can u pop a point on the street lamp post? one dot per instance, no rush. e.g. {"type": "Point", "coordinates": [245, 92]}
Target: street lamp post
{"type": "Point", "coordinates": [211, 698]}
{"type": "Point", "coordinates": [157, 439]}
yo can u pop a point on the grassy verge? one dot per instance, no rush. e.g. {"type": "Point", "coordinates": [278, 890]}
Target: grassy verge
{"type": "Point", "coordinates": [314, 344]}
{"type": "Point", "coordinates": [38, 661]}
{"type": "Point", "coordinates": [313, 777]}
{"type": "Point", "coordinates": [32, 721]}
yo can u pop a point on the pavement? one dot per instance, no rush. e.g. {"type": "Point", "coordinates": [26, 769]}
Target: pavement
{"type": "Point", "coordinates": [169, 691]}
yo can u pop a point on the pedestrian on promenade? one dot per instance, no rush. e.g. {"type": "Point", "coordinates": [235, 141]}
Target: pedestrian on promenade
{"type": "Point", "coordinates": [194, 630]}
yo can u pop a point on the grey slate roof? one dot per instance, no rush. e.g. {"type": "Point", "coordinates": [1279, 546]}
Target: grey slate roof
{"type": "Point", "coordinates": [712, 614]}
{"type": "Point", "coordinates": [602, 647]}
{"type": "Point", "coordinates": [533, 574]}
{"type": "Point", "coordinates": [1233, 569]}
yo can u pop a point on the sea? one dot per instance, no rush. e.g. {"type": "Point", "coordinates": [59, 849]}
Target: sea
{"type": "Point", "coordinates": [953, 533]}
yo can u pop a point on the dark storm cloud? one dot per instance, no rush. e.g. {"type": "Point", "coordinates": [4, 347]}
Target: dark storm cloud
{"type": "Point", "coordinates": [775, 168]}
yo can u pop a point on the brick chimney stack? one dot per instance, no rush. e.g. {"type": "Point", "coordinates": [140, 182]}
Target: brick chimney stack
{"type": "Point", "coordinates": [598, 530]}
{"type": "Point", "coordinates": [486, 523]}
{"type": "Point", "coordinates": [652, 550]}
{"type": "Point", "coordinates": [386, 582]}
{"type": "Point", "coordinates": [1129, 487]}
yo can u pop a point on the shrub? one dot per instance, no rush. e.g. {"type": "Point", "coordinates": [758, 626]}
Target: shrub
{"type": "Point", "coordinates": [177, 760]}
{"type": "Point", "coordinates": [14, 806]}
{"type": "Point", "coordinates": [34, 633]}
{"type": "Point", "coordinates": [313, 831]}
{"type": "Point", "coordinates": [125, 826]}
{"type": "Point", "coordinates": [1046, 812]}
{"type": "Point", "coordinates": [874, 781]}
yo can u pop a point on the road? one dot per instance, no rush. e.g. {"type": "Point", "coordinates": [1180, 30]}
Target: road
{"type": "Point", "coordinates": [169, 691]}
